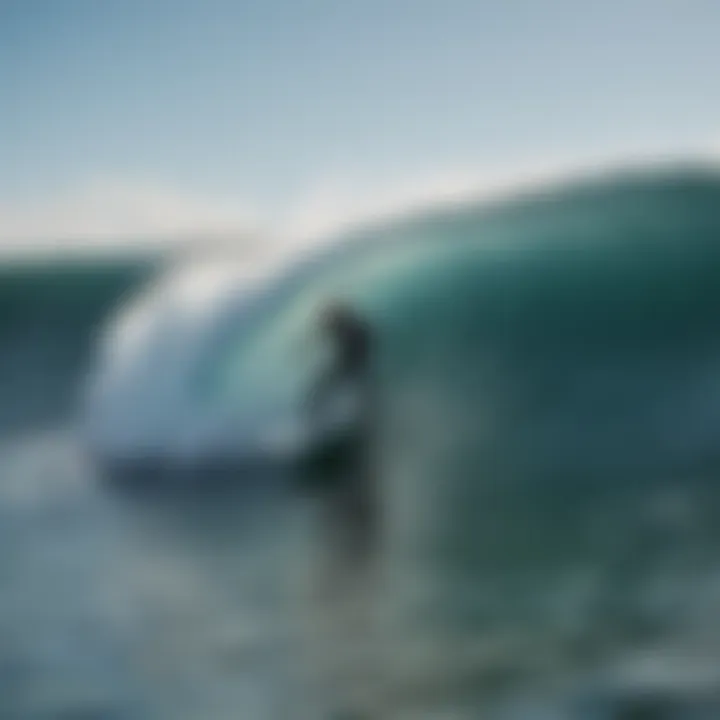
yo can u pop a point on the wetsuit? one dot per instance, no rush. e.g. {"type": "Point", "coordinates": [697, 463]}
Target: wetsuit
{"type": "Point", "coordinates": [344, 484]}
{"type": "Point", "coordinates": [343, 472]}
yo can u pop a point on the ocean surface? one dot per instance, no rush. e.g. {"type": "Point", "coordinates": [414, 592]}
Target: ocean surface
{"type": "Point", "coordinates": [550, 375]}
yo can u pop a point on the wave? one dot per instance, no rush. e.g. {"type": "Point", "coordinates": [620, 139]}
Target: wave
{"type": "Point", "coordinates": [574, 317]}
{"type": "Point", "coordinates": [549, 367]}
{"type": "Point", "coordinates": [562, 314]}
{"type": "Point", "coordinates": [550, 375]}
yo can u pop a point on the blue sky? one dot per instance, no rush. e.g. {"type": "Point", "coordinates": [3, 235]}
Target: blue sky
{"type": "Point", "coordinates": [208, 104]}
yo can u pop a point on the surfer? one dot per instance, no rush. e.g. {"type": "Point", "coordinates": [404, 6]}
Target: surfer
{"type": "Point", "coordinates": [346, 476]}
{"type": "Point", "coordinates": [342, 474]}
{"type": "Point", "coordinates": [351, 340]}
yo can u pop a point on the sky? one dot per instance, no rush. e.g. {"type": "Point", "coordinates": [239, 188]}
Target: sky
{"type": "Point", "coordinates": [141, 117]}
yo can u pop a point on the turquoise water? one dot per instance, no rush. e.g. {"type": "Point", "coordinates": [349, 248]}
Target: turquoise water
{"type": "Point", "coordinates": [552, 397]}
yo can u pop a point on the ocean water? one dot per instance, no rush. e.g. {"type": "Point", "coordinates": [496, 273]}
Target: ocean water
{"type": "Point", "coordinates": [551, 395]}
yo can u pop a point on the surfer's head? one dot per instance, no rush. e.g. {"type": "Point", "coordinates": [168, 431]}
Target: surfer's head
{"type": "Point", "coordinates": [349, 333]}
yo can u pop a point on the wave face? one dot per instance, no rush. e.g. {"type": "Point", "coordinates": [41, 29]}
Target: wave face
{"type": "Point", "coordinates": [569, 314]}
{"type": "Point", "coordinates": [575, 319]}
